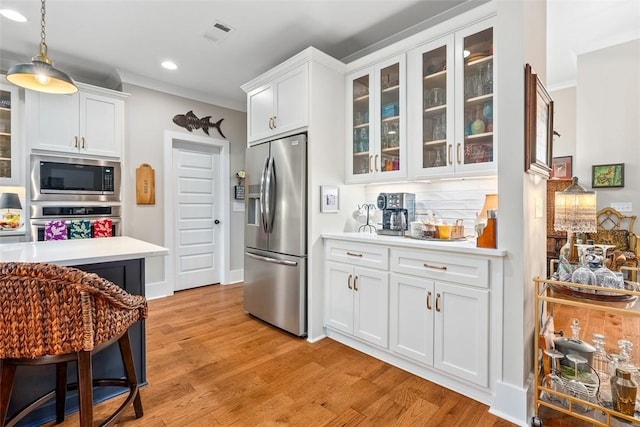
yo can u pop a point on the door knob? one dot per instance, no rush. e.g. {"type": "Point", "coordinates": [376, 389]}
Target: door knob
{"type": "Point", "coordinates": [217, 221]}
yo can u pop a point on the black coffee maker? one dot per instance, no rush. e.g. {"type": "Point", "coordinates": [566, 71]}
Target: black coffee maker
{"type": "Point", "coordinates": [398, 211]}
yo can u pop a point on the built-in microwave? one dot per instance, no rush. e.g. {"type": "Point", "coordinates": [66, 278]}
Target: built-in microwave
{"type": "Point", "coordinates": [73, 179]}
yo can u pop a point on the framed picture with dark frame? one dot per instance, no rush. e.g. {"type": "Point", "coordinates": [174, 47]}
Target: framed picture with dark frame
{"type": "Point", "coordinates": [607, 176]}
{"type": "Point", "coordinates": [538, 127]}
{"type": "Point", "coordinates": [562, 168]}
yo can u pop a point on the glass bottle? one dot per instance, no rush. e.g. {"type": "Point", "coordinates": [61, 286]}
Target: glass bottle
{"type": "Point", "coordinates": [601, 366]}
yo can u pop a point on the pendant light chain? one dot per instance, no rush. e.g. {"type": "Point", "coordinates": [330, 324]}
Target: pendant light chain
{"type": "Point", "coordinates": [43, 34]}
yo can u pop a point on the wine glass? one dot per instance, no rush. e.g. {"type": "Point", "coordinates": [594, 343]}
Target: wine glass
{"type": "Point", "coordinates": [576, 388]}
{"type": "Point", "coordinates": [552, 380]}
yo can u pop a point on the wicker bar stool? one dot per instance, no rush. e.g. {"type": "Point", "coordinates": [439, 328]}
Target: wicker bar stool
{"type": "Point", "coordinates": [51, 314]}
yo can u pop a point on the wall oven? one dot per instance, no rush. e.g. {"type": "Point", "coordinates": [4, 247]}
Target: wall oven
{"type": "Point", "coordinates": [72, 179]}
{"type": "Point", "coordinates": [41, 215]}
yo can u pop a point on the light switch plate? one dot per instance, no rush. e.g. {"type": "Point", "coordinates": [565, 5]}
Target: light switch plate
{"type": "Point", "coordinates": [623, 207]}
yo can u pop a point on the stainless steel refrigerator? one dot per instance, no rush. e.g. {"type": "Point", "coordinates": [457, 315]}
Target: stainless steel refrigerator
{"type": "Point", "coordinates": [275, 261]}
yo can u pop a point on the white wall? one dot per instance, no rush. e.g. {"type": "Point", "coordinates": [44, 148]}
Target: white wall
{"type": "Point", "coordinates": [608, 125]}
{"type": "Point", "coordinates": [148, 114]}
{"type": "Point", "coordinates": [564, 122]}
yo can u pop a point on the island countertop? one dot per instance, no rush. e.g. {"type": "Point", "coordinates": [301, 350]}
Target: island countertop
{"type": "Point", "coordinates": [80, 251]}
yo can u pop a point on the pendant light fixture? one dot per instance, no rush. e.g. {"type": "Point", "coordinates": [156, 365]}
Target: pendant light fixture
{"type": "Point", "coordinates": [40, 75]}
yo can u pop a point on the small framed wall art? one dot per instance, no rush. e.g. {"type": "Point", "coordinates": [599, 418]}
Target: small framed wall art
{"type": "Point", "coordinates": [538, 127]}
{"type": "Point", "coordinates": [607, 176]}
{"type": "Point", "coordinates": [329, 199]}
{"type": "Point", "coordinates": [562, 167]}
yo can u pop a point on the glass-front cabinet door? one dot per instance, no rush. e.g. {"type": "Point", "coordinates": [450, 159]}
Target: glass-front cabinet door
{"type": "Point", "coordinates": [361, 158]}
{"type": "Point", "coordinates": [475, 142]}
{"type": "Point", "coordinates": [435, 106]}
{"type": "Point", "coordinates": [9, 160]}
{"type": "Point", "coordinates": [376, 110]}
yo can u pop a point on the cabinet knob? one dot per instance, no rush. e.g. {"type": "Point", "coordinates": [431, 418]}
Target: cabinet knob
{"type": "Point", "coordinates": [349, 281]}
{"type": "Point", "coordinates": [429, 300]}
{"type": "Point", "coordinates": [437, 302]}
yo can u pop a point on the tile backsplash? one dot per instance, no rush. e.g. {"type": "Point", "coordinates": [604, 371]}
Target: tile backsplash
{"type": "Point", "coordinates": [449, 200]}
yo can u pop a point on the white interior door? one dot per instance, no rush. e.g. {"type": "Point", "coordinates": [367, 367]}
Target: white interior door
{"type": "Point", "coordinates": [197, 211]}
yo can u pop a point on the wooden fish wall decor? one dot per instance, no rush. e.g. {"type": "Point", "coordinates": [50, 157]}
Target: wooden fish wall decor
{"type": "Point", "coordinates": [190, 122]}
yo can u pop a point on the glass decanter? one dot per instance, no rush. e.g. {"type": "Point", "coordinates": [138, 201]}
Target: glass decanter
{"type": "Point", "coordinates": [601, 366]}
{"type": "Point", "coordinates": [583, 274]}
{"type": "Point", "coordinates": [626, 361]}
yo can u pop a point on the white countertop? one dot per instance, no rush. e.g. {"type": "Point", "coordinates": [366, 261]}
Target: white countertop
{"type": "Point", "coordinates": [461, 246]}
{"type": "Point", "coordinates": [80, 251]}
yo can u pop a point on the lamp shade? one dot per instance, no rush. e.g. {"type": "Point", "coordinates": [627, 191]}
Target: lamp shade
{"type": "Point", "coordinates": [42, 77]}
{"type": "Point", "coordinates": [575, 209]}
{"type": "Point", "coordinates": [490, 204]}
{"type": "Point", "coordinates": [10, 201]}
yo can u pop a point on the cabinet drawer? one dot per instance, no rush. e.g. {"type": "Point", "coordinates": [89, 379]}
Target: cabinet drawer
{"type": "Point", "coordinates": [358, 254]}
{"type": "Point", "coordinates": [464, 269]}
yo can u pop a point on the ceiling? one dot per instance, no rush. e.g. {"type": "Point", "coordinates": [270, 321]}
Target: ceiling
{"type": "Point", "coordinates": [97, 40]}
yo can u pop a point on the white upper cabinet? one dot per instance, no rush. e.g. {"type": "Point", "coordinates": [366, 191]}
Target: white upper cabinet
{"type": "Point", "coordinates": [86, 123]}
{"type": "Point", "coordinates": [452, 104]}
{"type": "Point", "coordinates": [10, 153]}
{"type": "Point", "coordinates": [280, 105]}
{"type": "Point", "coordinates": [376, 118]}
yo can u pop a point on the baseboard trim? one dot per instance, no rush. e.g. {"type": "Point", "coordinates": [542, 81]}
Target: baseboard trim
{"type": "Point", "coordinates": [156, 290]}
{"type": "Point", "coordinates": [235, 276]}
{"type": "Point", "coordinates": [511, 403]}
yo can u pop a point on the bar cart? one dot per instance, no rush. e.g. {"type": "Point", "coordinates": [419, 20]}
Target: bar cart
{"type": "Point", "coordinates": [579, 391]}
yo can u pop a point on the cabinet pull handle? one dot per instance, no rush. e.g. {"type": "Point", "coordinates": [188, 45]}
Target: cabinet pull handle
{"type": "Point", "coordinates": [459, 153]}
{"type": "Point", "coordinates": [429, 300]}
{"type": "Point", "coordinates": [75, 142]}
{"type": "Point", "coordinates": [270, 122]}
{"type": "Point", "coordinates": [349, 281]}
{"type": "Point", "coordinates": [438, 302]}
{"type": "Point", "coordinates": [375, 163]}
{"type": "Point", "coordinates": [437, 267]}
{"type": "Point", "coordinates": [355, 283]}
{"type": "Point", "coordinates": [450, 154]}
{"type": "Point", "coordinates": [83, 143]}
{"type": "Point", "coordinates": [354, 254]}
{"type": "Point", "coordinates": [370, 158]}
{"type": "Point", "coordinates": [274, 121]}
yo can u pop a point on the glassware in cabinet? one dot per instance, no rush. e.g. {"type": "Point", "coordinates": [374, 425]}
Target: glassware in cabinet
{"type": "Point", "coordinates": [478, 120]}
{"type": "Point", "coordinates": [361, 129]}
{"type": "Point", "coordinates": [8, 105]}
{"type": "Point", "coordinates": [390, 118]}
{"type": "Point", "coordinates": [435, 108]}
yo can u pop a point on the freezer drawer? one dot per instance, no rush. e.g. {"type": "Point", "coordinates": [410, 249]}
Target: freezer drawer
{"type": "Point", "coordinates": [275, 289]}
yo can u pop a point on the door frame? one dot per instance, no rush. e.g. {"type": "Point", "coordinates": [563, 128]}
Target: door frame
{"type": "Point", "coordinates": [170, 140]}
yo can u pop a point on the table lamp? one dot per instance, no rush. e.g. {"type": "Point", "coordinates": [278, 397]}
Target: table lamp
{"type": "Point", "coordinates": [10, 201]}
{"type": "Point", "coordinates": [486, 223]}
{"type": "Point", "coordinates": [575, 212]}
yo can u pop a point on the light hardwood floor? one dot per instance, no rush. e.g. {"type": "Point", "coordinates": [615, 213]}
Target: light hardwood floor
{"type": "Point", "coordinates": [209, 363]}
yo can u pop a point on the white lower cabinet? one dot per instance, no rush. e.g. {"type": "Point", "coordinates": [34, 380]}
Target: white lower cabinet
{"type": "Point", "coordinates": [432, 312]}
{"type": "Point", "coordinates": [358, 301]}
{"type": "Point", "coordinates": [442, 325]}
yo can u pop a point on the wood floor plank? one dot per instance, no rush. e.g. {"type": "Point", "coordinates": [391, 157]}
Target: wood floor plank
{"type": "Point", "coordinates": [211, 364]}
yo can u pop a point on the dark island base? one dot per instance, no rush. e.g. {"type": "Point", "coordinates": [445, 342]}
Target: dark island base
{"type": "Point", "coordinates": [33, 382]}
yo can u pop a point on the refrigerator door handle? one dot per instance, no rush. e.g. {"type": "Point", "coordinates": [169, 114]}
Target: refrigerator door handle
{"type": "Point", "coordinates": [269, 195]}
{"type": "Point", "coordinates": [271, 260]}
{"type": "Point", "coordinates": [263, 210]}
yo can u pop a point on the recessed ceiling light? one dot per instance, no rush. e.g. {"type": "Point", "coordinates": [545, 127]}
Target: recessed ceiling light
{"type": "Point", "coordinates": [13, 15]}
{"type": "Point", "coordinates": [169, 65]}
